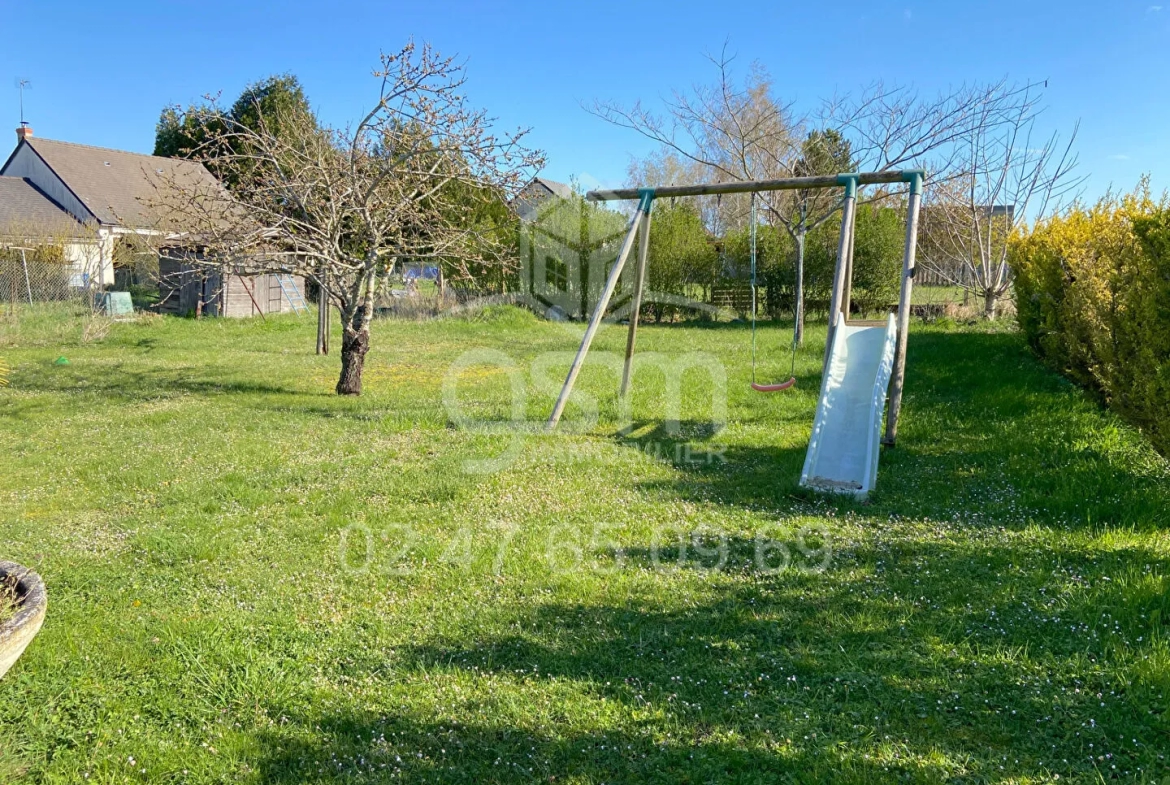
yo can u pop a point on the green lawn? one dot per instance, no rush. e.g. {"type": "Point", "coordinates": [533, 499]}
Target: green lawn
{"type": "Point", "coordinates": [251, 580]}
{"type": "Point", "coordinates": [929, 295]}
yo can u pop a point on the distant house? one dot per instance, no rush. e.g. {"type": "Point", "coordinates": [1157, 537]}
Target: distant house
{"type": "Point", "coordinates": [537, 193]}
{"type": "Point", "coordinates": [85, 198]}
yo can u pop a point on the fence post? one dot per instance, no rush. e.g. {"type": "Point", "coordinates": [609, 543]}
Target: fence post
{"type": "Point", "coordinates": [27, 284]}
{"type": "Point", "coordinates": [323, 315]}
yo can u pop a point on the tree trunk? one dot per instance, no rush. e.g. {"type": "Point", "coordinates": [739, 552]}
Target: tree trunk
{"type": "Point", "coordinates": [798, 306]}
{"type": "Point", "coordinates": [355, 342]}
{"type": "Point", "coordinates": [990, 305]}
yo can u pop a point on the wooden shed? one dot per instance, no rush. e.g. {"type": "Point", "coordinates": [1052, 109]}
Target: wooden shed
{"type": "Point", "coordinates": [192, 289]}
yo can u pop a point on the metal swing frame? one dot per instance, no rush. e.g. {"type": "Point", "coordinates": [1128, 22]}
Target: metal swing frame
{"type": "Point", "coordinates": [842, 277]}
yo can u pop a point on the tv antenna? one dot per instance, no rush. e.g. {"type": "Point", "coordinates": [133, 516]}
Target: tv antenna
{"type": "Point", "coordinates": [22, 85]}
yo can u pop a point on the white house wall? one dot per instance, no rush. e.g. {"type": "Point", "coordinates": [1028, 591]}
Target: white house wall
{"type": "Point", "coordinates": [91, 262]}
{"type": "Point", "coordinates": [26, 163]}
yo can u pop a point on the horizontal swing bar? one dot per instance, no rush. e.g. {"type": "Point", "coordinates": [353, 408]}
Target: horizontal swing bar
{"type": "Point", "coordinates": [748, 186]}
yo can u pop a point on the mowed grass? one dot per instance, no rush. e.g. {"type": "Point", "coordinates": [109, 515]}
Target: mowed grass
{"type": "Point", "coordinates": [251, 580]}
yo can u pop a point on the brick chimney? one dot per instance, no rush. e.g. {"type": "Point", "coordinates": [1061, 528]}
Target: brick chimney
{"type": "Point", "coordinates": [24, 132]}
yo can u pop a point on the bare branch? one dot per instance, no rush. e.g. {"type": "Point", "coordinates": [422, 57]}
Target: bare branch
{"type": "Point", "coordinates": [415, 178]}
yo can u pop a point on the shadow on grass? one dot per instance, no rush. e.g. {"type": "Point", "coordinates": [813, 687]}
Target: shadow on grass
{"type": "Point", "coordinates": [373, 748]}
{"type": "Point", "coordinates": [986, 436]}
{"type": "Point", "coordinates": [126, 381]}
{"type": "Point", "coordinates": [852, 675]}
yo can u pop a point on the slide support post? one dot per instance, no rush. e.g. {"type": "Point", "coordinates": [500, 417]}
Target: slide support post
{"type": "Point", "coordinates": [898, 377]}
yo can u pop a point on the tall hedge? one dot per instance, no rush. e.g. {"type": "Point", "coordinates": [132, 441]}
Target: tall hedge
{"type": "Point", "coordinates": [1093, 299]}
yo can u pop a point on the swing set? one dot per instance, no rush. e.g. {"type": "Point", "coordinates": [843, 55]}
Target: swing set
{"type": "Point", "coordinates": [865, 362]}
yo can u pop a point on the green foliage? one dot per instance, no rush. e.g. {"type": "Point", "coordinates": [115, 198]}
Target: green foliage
{"type": "Point", "coordinates": [571, 243]}
{"type": "Point", "coordinates": [179, 133]}
{"type": "Point", "coordinates": [820, 261]}
{"type": "Point", "coordinates": [773, 247]}
{"type": "Point", "coordinates": [824, 152]}
{"type": "Point", "coordinates": [877, 259]}
{"type": "Point", "coordinates": [775, 264]}
{"type": "Point", "coordinates": [277, 102]}
{"type": "Point", "coordinates": [1093, 299]}
{"type": "Point", "coordinates": [683, 259]}
{"type": "Point", "coordinates": [497, 231]}
{"type": "Point", "coordinates": [45, 253]}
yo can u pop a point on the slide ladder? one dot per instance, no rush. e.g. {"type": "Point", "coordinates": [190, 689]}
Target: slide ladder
{"type": "Point", "coordinates": [846, 438]}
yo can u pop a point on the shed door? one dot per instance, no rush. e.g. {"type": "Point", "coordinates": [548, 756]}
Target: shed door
{"type": "Point", "coordinates": [275, 296]}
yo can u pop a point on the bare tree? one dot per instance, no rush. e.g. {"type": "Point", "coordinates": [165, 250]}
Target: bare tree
{"type": "Point", "coordinates": [1003, 176]}
{"type": "Point", "coordinates": [732, 131]}
{"type": "Point", "coordinates": [409, 182]}
{"type": "Point", "coordinates": [736, 130]}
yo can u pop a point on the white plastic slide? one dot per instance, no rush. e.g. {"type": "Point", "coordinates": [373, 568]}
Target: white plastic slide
{"type": "Point", "coordinates": [846, 438]}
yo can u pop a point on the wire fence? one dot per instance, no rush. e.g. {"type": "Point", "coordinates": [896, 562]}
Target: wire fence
{"type": "Point", "coordinates": [27, 278]}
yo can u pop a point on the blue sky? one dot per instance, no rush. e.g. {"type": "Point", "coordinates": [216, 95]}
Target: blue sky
{"type": "Point", "coordinates": [101, 72]}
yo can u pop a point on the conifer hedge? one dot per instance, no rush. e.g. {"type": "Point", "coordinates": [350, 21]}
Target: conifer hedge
{"type": "Point", "coordinates": [1093, 298]}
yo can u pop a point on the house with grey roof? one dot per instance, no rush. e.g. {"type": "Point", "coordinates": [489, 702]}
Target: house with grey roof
{"type": "Point", "coordinates": [23, 204]}
{"type": "Point", "coordinates": [83, 198]}
{"type": "Point", "coordinates": [538, 193]}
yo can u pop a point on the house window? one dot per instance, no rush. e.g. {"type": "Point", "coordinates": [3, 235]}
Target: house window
{"type": "Point", "coordinates": [556, 274]}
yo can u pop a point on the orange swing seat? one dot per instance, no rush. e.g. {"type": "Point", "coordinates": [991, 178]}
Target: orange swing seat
{"type": "Point", "coordinates": [774, 387]}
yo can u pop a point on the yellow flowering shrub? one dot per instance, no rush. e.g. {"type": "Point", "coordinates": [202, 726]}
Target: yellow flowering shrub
{"type": "Point", "coordinates": [1093, 298]}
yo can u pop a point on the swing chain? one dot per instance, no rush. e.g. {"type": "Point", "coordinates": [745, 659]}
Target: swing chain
{"type": "Point", "coordinates": [752, 241]}
{"type": "Point", "coordinates": [754, 263]}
